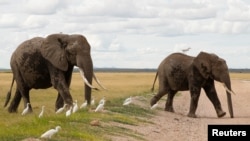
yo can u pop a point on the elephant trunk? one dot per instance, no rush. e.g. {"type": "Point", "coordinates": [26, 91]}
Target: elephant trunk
{"type": "Point", "coordinates": [227, 84]}
{"type": "Point", "coordinates": [86, 69]}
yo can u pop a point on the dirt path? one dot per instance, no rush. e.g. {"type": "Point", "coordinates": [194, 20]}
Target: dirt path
{"type": "Point", "coordinates": [178, 127]}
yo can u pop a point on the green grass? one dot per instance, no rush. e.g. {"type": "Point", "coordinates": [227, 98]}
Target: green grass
{"type": "Point", "coordinates": [77, 127]}
{"type": "Point", "coordinates": [14, 127]}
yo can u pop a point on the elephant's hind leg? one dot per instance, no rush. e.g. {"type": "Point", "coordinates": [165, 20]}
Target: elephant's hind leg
{"type": "Point", "coordinates": [195, 94]}
{"type": "Point", "coordinates": [169, 103]}
{"type": "Point", "coordinates": [15, 102]}
{"type": "Point", "coordinates": [17, 98]}
{"type": "Point", "coordinates": [163, 89]}
{"type": "Point", "coordinates": [158, 96]}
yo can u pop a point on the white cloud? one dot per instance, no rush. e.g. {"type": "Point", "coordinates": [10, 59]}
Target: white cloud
{"type": "Point", "coordinates": [41, 7]}
{"type": "Point", "coordinates": [238, 11]}
{"type": "Point", "coordinates": [132, 32]}
{"type": "Point", "coordinates": [35, 21]}
{"type": "Point", "coordinates": [147, 50]}
{"type": "Point", "coordinates": [3, 1]}
{"type": "Point", "coordinates": [112, 8]}
{"type": "Point", "coordinates": [115, 46]}
{"type": "Point", "coordinates": [191, 10]}
{"type": "Point", "coordinates": [8, 21]}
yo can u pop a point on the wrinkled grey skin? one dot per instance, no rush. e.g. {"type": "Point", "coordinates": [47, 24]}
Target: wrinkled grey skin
{"type": "Point", "coordinates": [40, 63]}
{"type": "Point", "coordinates": [179, 72]}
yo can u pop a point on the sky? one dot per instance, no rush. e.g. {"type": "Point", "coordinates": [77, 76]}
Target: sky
{"type": "Point", "coordinates": [133, 33]}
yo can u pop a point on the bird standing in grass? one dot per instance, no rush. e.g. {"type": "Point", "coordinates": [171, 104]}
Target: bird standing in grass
{"type": "Point", "coordinates": [75, 107]}
{"type": "Point", "coordinates": [127, 101]}
{"type": "Point", "coordinates": [61, 109]}
{"type": "Point", "coordinates": [68, 113]}
{"type": "Point", "coordinates": [26, 110]}
{"type": "Point", "coordinates": [102, 100]}
{"type": "Point", "coordinates": [84, 104]}
{"type": "Point", "coordinates": [100, 107]}
{"type": "Point", "coordinates": [48, 134]}
{"type": "Point", "coordinates": [41, 113]}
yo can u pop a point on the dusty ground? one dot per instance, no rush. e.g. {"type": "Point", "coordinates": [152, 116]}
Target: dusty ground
{"type": "Point", "coordinates": [178, 127]}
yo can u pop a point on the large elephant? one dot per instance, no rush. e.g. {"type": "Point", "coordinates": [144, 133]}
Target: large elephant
{"type": "Point", "coordinates": [40, 63]}
{"type": "Point", "coordinates": [180, 72]}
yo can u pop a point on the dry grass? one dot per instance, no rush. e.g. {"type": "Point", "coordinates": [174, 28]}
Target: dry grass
{"type": "Point", "coordinates": [245, 76]}
{"type": "Point", "coordinates": [119, 85]}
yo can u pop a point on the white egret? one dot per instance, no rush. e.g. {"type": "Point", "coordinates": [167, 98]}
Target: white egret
{"type": "Point", "coordinates": [154, 106]}
{"type": "Point", "coordinates": [127, 101]}
{"type": "Point", "coordinates": [102, 101]}
{"type": "Point", "coordinates": [75, 107]}
{"type": "Point", "coordinates": [68, 113]}
{"type": "Point", "coordinates": [100, 107]}
{"type": "Point", "coordinates": [61, 109]}
{"type": "Point", "coordinates": [26, 110]}
{"type": "Point", "coordinates": [84, 104]}
{"type": "Point", "coordinates": [41, 113]}
{"type": "Point", "coordinates": [48, 134]}
{"type": "Point", "coordinates": [186, 49]}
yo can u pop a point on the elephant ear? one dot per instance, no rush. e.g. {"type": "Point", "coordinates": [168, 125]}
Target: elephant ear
{"type": "Point", "coordinates": [203, 63]}
{"type": "Point", "coordinates": [53, 50]}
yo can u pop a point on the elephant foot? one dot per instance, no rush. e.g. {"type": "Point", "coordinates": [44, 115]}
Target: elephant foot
{"type": "Point", "coordinates": [30, 110]}
{"type": "Point", "coordinates": [58, 105]}
{"type": "Point", "coordinates": [153, 101]}
{"type": "Point", "coordinates": [221, 114]}
{"type": "Point", "coordinates": [12, 110]}
{"type": "Point", "coordinates": [192, 115]}
{"type": "Point", "coordinates": [169, 109]}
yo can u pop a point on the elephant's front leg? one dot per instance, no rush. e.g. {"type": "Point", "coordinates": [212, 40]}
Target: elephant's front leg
{"type": "Point", "coordinates": [65, 94]}
{"type": "Point", "coordinates": [195, 94]}
{"type": "Point", "coordinates": [59, 102]}
{"type": "Point", "coordinates": [59, 83]}
{"type": "Point", "coordinates": [212, 95]}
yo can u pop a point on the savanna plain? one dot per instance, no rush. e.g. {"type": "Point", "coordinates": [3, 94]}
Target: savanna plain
{"type": "Point", "coordinates": [133, 122]}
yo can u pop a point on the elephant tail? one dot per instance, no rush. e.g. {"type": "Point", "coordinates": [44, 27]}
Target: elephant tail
{"type": "Point", "coordinates": [152, 89]}
{"type": "Point", "coordinates": [9, 93]}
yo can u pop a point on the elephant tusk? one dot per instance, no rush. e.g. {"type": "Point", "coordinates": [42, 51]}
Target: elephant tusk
{"type": "Point", "coordinates": [98, 82]}
{"type": "Point", "coordinates": [86, 81]}
{"type": "Point", "coordinates": [231, 92]}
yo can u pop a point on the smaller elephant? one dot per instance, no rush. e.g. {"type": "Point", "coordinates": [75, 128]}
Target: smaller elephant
{"type": "Point", "coordinates": [180, 72]}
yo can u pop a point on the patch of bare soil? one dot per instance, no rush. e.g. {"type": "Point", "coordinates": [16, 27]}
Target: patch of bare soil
{"type": "Point", "coordinates": [178, 127]}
